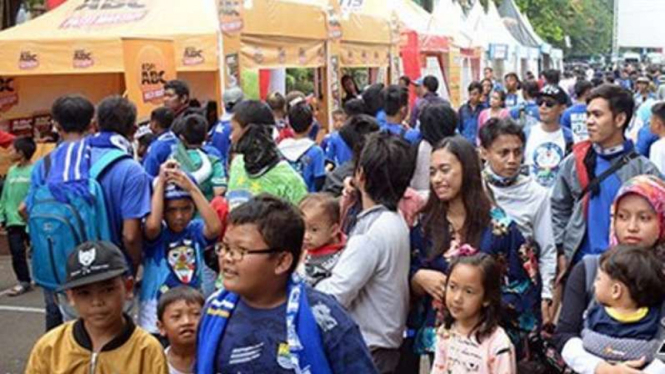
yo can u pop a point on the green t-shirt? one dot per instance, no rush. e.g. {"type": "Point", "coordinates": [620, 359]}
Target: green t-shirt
{"type": "Point", "coordinates": [281, 181]}
{"type": "Point", "coordinates": [14, 192]}
{"type": "Point", "coordinates": [216, 179]}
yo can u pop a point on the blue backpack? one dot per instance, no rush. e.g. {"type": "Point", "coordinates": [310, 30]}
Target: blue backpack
{"type": "Point", "coordinates": [56, 228]}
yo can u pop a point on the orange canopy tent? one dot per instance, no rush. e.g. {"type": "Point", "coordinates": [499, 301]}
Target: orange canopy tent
{"type": "Point", "coordinates": [82, 47]}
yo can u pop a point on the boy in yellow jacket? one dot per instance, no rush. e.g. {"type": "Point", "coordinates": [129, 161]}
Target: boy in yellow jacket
{"type": "Point", "coordinates": [103, 339]}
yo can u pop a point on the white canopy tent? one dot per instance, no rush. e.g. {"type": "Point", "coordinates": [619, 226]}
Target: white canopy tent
{"type": "Point", "coordinates": [501, 47]}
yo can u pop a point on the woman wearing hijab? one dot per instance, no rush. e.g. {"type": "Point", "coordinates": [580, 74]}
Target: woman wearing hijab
{"type": "Point", "coordinates": [638, 219]}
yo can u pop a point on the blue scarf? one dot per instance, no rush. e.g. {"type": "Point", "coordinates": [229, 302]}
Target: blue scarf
{"type": "Point", "coordinates": [305, 346]}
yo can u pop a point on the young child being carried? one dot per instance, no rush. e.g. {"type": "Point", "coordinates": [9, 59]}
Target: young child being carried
{"type": "Point", "coordinates": [324, 240]}
{"type": "Point", "coordinates": [175, 241]}
{"type": "Point", "coordinates": [103, 339]}
{"type": "Point", "coordinates": [178, 315]}
{"type": "Point", "coordinates": [470, 339]}
{"type": "Point", "coordinates": [621, 325]}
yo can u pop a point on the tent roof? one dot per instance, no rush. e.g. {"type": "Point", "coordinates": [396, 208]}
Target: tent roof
{"type": "Point", "coordinates": [430, 29]}
{"type": "Point", "coordinates": [367, 22]}
{"type": "Point", "coordinates": [451, 18]}
{"type": "Point", "coordinates": [515, 22]}
{"type": "Point", "coordinates": [83, 29]}
{"type": "Point", "coordinates": [494, 29]}
{"type": "Point", "coordinates": [94, 30]}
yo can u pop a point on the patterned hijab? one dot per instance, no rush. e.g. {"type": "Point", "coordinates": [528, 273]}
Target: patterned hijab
{"type": "Point", "coordinates": [652, 189]}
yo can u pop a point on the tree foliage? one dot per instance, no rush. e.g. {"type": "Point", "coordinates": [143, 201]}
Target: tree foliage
{"type": "Point", "coordinates": [588, 23]}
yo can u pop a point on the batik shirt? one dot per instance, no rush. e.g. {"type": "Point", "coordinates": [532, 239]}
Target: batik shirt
{"type": "Point", "coordinates": [520, 287]}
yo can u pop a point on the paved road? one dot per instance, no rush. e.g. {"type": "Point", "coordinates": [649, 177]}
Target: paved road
{"type": "Point", "coordinates": [21, 321]}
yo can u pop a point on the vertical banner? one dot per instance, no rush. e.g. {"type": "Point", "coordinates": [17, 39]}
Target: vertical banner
{"type": "Point", "coordinates": [149, 64]}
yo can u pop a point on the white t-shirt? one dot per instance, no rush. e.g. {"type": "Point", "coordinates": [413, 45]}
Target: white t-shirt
{"type": "Point", "coordinates": [544, 153]}
{"type": "Point", "coordinates": [173, 370]}
{"type": "Point", "coordinates": [657, 154]}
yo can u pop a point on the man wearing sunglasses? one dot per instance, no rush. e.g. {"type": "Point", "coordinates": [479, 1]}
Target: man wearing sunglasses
{"type": "Point", "coordinates": [547, 142]}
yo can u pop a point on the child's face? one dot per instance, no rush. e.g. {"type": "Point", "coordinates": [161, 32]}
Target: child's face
{"type": "Point", "coordinates": [656, 125]}
{"type": "Point", "coordinates": [179, 323]}
{"type": "Point", "coordinates": [338, 121]}
{"type": "Point", "coordinates": [465, 295]}
{"type": "Point", "coordinates": [101, 304]}
{"type": "Point", "coordinates": [319, 230]}
{"type": "Point", "coordinates": [178, 213]}
{"type": "Point", "coordinates": [245, 273]}
{"type": "Point", "coordinates": [606, 289]}
{"type": "Point", "coordinates": [14, 155]}
{"type": "Point", "coordinates": [636, 222]}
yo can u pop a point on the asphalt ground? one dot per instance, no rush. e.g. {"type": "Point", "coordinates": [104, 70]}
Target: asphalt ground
{"type": "Point", "coordinates": [21, 320]}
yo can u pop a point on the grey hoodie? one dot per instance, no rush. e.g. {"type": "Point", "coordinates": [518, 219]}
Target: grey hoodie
{"type": "Point", "coordinates": [528, 203]}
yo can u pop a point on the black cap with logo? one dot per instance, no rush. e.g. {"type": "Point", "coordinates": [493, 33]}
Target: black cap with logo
{"type": "Point", "coordinates": [554, 92]}
{"type": "Point", "coordinates": [93, 262]}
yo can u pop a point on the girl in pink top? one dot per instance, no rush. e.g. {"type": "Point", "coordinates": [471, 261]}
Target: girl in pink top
{"type": "Point", "coordinates": [470, 339]}
{"type": "Point", "coordinates": [497, 109]}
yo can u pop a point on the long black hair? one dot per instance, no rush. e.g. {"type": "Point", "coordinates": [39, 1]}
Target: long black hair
{"type": "Point", "coordinates": [491, 280]}
{"type": "Point", "coordinates": [476, 202]}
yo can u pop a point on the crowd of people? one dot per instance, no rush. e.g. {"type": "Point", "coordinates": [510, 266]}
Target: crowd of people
{"type": "Point", "coordinates": [520, 233]}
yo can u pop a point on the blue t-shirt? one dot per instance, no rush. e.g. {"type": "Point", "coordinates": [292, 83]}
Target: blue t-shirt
{"type": "Point", "coordinates": [410, 135]}
{"type": "Point", "coordinates": [313, 166]}
{"type": "Point", "coordinates": [171, 260]}
{"type": "Point", "coordinates": [645, 138]}
{"type": "Point", "coordinates": [468, 121]}
{"type": "Point", "coordinates": [255, 339]}
{"type": "Point", "coordinates": [337, 150]}
{"type": "Point", "coordinates": [127, 192]}
{"type": "Point", "coordinates": [512, 99]}
{"type": "Point", "coordinates": [598, 228]}
{"type": "Point", "coordinates": [221, 138]}
{"type": "Point", "coordinates": [530, 113]}
{"type": "Point", "coordinates": [574, 118]}
{"type": "Point", "coordinates": [158, 152]}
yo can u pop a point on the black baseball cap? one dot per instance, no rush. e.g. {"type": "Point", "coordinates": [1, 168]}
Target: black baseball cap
{"type": "Point", "coordinates": [93, 262]}
{"type": "Point", "coordinates": [554, 92]}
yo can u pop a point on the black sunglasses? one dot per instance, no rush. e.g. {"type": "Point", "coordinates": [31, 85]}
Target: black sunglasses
{"type": "Point", "coordinates": [550, 103]}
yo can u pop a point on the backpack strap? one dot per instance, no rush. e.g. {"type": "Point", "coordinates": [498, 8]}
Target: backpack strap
{"type": "Point", "coordinates": [402, 133]}
{"type": "Point", "coordinates": [623, 160]}
{"type": "Point", "coordinates": [47, 165]}
{"type": "Point", "coordinates": [107, 160]}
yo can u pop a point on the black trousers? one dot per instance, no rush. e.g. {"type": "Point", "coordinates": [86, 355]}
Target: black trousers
{"type": "Point", "coordinates": [18, 239]}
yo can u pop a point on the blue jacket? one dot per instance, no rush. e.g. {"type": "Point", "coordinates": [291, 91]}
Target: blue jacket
{"type": "Point", "coordinates": [468, 121]}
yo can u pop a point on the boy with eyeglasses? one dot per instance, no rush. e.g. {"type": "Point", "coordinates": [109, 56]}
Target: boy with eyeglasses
{"type": "Point", "coordinates": [266, 320]}
{"type": "Point", "coordinates": [547, 142]}
{"type": "Point", "coordinates": [175, 241]}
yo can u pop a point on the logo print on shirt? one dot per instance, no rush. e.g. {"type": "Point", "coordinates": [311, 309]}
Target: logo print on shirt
{"type": "Point", "coordinates": [182, 258]}
{"type": "Point", "coordinates": [323, 317]}
{"type": "Point", "coordinates": [546, 160]}
{"type": "Point", "coordinates": [246, 354]}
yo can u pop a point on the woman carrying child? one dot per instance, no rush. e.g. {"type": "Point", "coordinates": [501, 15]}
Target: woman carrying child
{"type": "Point", "coordinates": [638, 219]}
{"type": "Point", "coordinates": [459, 212]}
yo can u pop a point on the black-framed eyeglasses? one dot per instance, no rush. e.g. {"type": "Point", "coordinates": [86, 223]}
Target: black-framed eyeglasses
{"type": "Point", "coordinates": [550, 103]}
{"type": "Point", "coordinates": [237, 254]}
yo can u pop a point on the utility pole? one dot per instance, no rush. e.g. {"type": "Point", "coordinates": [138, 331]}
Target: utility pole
{"type": "Point", "coordinates": [615, 31]}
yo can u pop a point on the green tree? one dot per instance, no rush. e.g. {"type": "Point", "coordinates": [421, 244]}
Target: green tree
{"type": "Point", "coordinates": [588, 23]}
